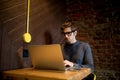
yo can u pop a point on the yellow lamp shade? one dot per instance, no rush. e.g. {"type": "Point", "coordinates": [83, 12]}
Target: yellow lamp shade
{"type": "Point", "coordinates": [27, 37]}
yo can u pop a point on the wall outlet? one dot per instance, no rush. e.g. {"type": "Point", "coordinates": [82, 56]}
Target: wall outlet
{"type": "Point", "coordinates": [25, 53]}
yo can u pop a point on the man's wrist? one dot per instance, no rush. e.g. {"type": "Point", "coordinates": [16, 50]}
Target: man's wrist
{"type": "Point", "coordinates": [73, 64]}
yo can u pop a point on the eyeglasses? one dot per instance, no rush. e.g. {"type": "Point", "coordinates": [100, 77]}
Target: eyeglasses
{"type": "Point", "coordinates": [69, 33]}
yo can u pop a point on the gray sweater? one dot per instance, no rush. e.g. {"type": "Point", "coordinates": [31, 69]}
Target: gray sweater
{"type": "Point", "coordinates": [79, 53]}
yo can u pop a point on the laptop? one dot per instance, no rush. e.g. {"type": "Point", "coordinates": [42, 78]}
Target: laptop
{"type": "Point", "coordinates": [47, 57]}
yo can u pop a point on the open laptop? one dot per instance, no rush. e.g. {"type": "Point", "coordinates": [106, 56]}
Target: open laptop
{"type": "Point", "coordinates": [47, 57]}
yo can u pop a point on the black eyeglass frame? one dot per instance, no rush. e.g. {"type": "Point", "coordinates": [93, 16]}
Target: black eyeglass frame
{"type": "Point", "coordinates": [68, 33]}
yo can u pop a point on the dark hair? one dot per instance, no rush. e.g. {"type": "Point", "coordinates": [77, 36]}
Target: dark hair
{"type": "Point", "coordinates": [68, 24]}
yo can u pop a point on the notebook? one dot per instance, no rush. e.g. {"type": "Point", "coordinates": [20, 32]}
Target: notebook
{"type": "Point", "coordinates": [47, 57]}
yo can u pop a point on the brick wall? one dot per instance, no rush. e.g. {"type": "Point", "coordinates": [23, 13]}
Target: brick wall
{"type": "Point", "coordinates": [99, 25]}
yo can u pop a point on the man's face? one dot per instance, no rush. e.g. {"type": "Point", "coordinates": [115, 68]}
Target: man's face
{"type": "Point", "coordinates": [69, 34]}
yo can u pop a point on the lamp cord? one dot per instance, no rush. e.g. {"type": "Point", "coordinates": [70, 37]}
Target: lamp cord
{"type": "Point", "coordinates": [28, 14]}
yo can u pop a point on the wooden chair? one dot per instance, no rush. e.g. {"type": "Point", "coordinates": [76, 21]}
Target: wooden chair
{"type": "Point", "coordinates": [94, 78]}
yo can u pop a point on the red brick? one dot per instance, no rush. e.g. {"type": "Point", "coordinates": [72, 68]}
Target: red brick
{"type": "Point", "coordinates": [102, 42]}
{"type": "Point", "coordinates": [101, 51]}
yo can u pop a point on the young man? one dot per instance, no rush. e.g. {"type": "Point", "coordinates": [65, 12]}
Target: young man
{"type": "Point", "coordinates": [76, 54]}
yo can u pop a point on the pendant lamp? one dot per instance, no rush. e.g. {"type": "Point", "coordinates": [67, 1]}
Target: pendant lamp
{"type": "Point", "coordinates": [26, 36]}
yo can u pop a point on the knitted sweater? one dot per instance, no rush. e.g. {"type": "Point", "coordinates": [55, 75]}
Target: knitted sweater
{"type": "Point", "coordinates": [79, 53]}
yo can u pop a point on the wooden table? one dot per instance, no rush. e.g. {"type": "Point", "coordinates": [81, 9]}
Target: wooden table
{"type": "Point", "coordinates": [33, 74]}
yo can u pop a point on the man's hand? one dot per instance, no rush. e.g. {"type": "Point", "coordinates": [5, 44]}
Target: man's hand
{"type": "Point", "coordinates": [68, 63]}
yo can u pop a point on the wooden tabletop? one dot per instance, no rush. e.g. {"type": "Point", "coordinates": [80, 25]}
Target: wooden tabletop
{"type": "Point", "coordinates": [35, 74]}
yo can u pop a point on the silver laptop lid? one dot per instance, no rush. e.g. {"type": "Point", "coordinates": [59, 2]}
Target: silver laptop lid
{"type": "Point", "coordinates": [47, 56]}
